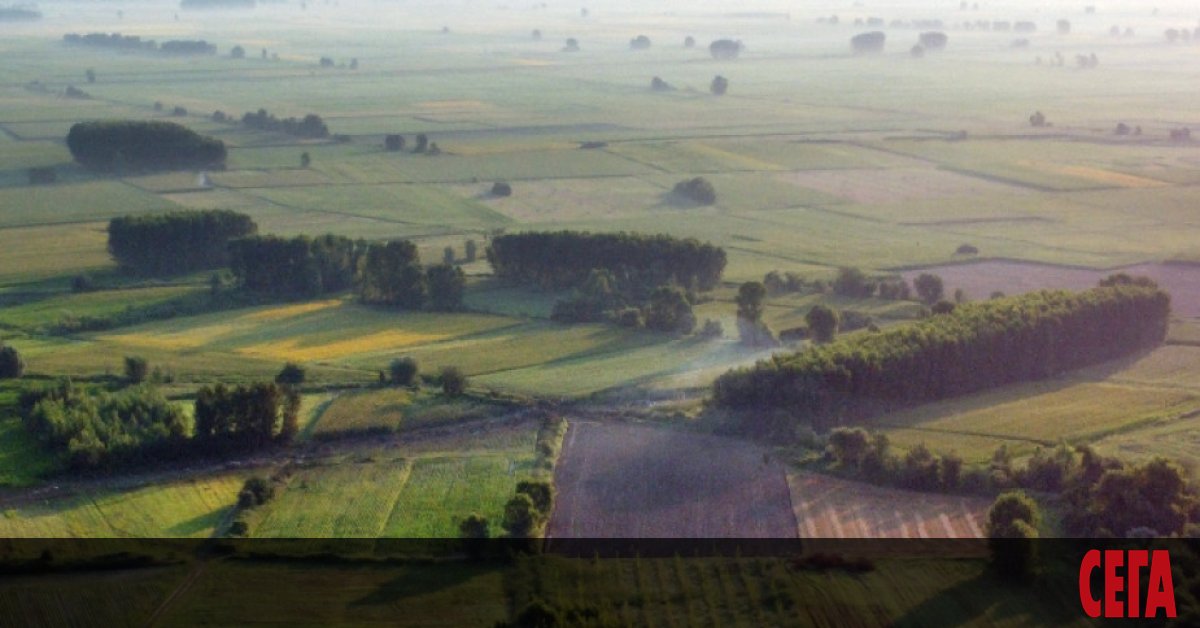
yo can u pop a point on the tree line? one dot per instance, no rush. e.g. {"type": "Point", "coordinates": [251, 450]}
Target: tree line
{"type": "Point", "coordinates": [310, 126]}
{"type": "Point", "coordinates": [563, 259]}
{"type": "Point", "coordinates": [176, 242]}
{"type": "Point", "coordinates": [104, 430]}
{"type": "Point", "coordinates": [385, 273]}
{"type": "Point", "coordinates": [142, 145]}
{"type": "Point", "coordinates": [118, 41]}
{"type": "Point", "coordinates": [974, 347]}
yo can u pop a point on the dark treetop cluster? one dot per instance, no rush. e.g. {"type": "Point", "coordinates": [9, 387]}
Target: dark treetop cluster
{"type": "Point", "coordinates": [977, 346]}
{"type": "Point", "coordinates": [142, 145]}
{"type": "Point", "coordinates": [177, 242]}
{"type": "Point", "coordinates": [295, 267]}
{"type": "Point", "coordinates": [117, 41]}
{"type": "Point", "coordinates": [566, 258]}
{"type": "Point", "coordinates": [310, 126]}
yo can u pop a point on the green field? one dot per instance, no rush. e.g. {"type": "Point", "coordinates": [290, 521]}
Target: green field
{"type": "Point", "coordinates": [1137, 400]}
{"type": "Point", "coordinates": [185, 508]}
{"type": "Point", "coordinates": [402, 493]}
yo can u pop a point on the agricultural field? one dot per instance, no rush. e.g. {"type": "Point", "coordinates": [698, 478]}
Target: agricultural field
{"type": "Point", "coordinates": [1114, 402]}
{"type": "Point", "coordinates": [636, 481]}
{"type": "Point", "coordinates": [407, 491]}
{"type": "Point", "coordinates": [194, 507]}
{"type": "Point", "coordinates": [828, 507]}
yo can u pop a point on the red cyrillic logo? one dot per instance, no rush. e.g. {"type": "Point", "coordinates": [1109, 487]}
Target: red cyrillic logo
{"type": "Point", "coordinates": [1122, 574]}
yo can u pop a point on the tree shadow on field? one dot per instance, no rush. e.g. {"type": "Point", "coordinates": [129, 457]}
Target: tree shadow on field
{"type": "Point", "coordinates": [420, 579]}
{"type": "Point", "coordinates": [966, 603]}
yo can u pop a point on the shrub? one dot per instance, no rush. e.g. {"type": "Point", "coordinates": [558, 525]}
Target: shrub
{"type": "Point", "coordinates": [454, 381]}
{"type": "Point", "coordinates": [403, 371]}
{"type": "Point", "coordinates": [12, 366]}
{"type": "Point", "coordinates": [291, 374]}
{"type": "Point", "coordinates": [719, 86]}
{"type": "Point", "coordinates": [136, 368]}
{"type": "Point", "coordinates": [501, 188]}
{"type": "Point", "coordinates": [967, 249]}
{"type": "Point", "coordinates": [256, 492]}
{"type": "Point", "coordinates": [699, 190]}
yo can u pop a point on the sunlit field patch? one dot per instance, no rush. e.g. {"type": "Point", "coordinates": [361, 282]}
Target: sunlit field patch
{"type": "Point", "coordinates": [300, 350]}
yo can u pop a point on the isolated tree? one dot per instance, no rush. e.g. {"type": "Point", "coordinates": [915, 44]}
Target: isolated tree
{"type": "Point", "coordinates": [725, 49]}
{"type": "Point", "coordinates": [448, 255]}
{"type": "Point", "coordinates": [572, 45]}
{"type": "Point", "coordinates": [749, 300]}
{"type": "Point", "coordinates": [393, 142]}
{"type": "Point", "coordinates": [537, 35]}
{"type": "Point", "coordinates": [641, 42]}
{"type": "Point", "coordinates": [659, 85]}
{"type": "Point", "coordinates": [91, 75]}
{"type": "Point", "coordinates": [454, 381]}
{"type": "Point", "coordinates": [697, 189]}
{"type": "Point", "coordinates": [11, 364]}
{"type": "Point", "coordinates": [822, 323]}
{"type": "Point", "coordinates": [1037, 120]}
{"type": "Point", "coordinates": [403, 371]}
{"type": "Point", "coordinates": [929, 288]}
{"type": "Point", "coordinates": [292, 374]}
{"type": "Point", "coordinates": [470, 251]}
{"type": "Point", "coordinates": [501, 188]}
{"type": "Point", "coordinates": [305, 159]}
{"type": "Point", "coordinates": [136, 369]}
{"type": "Point", "coordinates": [852, 282]}
{"type": "Point", "coordinates": [689, 42]}
{"type": "Point", "coordinates": [719, 85]}
{"type": "Point", "coordinates": [868, 43]}
{"type": "Point", "coordinates": [256, 491]}
{"type": "Point", "coordinates": [422, 143]}
{"type": "Point", "coordinates": [237, 52]}
{"type": "Point", "coordinates": [446, 283]}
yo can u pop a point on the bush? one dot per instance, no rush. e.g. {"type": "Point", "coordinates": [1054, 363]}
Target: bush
{"type": "Point", "coordinates": [822, 323]}
{"type": "Point", "coordinates": [291, 374]}
{"type": "Point", "coordinates": [719, 86]}
{"type": "Point", "coordinates": [967, 249]}
{"type": "Point", "coordinates": [403, 371]}
{"type": "Point", "coordinates": [698, 190]}
{"type": "Point", "coordinates": [256, 492]}
{"type": "Point", "coordinates": [501, 188]}
{"type": "Point", "coordinates": [82, 283]}
{"type": "Point", "coordinates": [12, 366]}
{"type": "Point", "coordinates": [136, 368]}
{"type": "Point", "coordinates": [454, 381]}
{"type": "Point", "coordinates": [851, 282]}
{"type": "Point", "coordinates": [711, 329]}
{"type": "Point", "coordinates": [630, 317]}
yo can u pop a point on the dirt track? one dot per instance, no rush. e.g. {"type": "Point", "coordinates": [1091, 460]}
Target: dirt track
{"type": "Point", "coordinates": [628, 481]}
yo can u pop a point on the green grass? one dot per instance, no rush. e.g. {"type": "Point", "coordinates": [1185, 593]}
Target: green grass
{"type": "Point", "coordinates": [75, 202]}
{"type": "Point", "coordinates": [405, 204]}
{"type": "Point", "coordinates": [358, 411]}
{"type": "Point", "coordinates": [443, 491]}
{"type": "Point", "coordinates": [317, 503]}
{"type": "Point", "coordinates": [1030, 415]}
{"type": "Point", "coordinates": [39, 253]}
{"type": "Point", "coordinates": [45, 313]}
{"type": "Point", "coordinates": [187, 508]}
